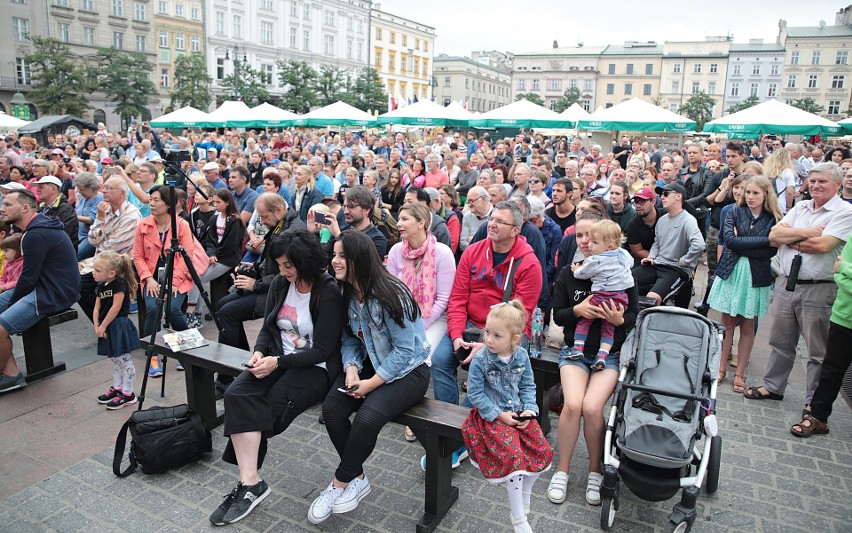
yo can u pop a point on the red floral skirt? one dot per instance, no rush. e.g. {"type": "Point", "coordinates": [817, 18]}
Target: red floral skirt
{"type": "Point", "coordinates": [502, 451]}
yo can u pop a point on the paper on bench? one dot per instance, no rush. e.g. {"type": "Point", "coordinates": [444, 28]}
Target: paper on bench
{"type": "Point", "coordinates": [188, 339]}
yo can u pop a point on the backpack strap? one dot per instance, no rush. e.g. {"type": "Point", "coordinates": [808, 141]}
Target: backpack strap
{"type": "Point", "coordinates": [120, 443]}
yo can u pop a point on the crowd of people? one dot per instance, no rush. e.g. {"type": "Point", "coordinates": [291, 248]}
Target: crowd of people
{"type": "Point", "coordinates": [380, 262]}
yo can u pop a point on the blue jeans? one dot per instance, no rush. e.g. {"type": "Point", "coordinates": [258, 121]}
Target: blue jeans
{"type": "Point", "coordinates": [21, 315]}
{"type": "Point", "coordinates": [85, 250]}
{"type": "Point", "coordinates": [176, 318]}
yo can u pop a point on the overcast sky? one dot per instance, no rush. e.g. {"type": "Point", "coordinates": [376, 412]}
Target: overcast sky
{"type": "Point", "coordinates": [465, 25]}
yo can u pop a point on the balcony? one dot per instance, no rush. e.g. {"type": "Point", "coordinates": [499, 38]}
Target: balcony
{"type": "Point", "coordinates": [11, 83]}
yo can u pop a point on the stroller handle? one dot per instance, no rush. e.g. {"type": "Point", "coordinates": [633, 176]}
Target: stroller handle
{"type": "Point", "coordinates": [654, 390]}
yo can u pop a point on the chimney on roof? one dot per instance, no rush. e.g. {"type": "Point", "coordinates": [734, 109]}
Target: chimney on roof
{"type": "Point", "coordinates": [822, 24]}
{"type": "Point", "coordinates": [555, 43]}
{"type": "Point", "coordinates": [843, 17]}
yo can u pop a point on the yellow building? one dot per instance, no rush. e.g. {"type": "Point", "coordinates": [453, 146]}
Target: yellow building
{"type": "Point", "coordinates": [689, 67]}
{"type": "Point", "coordinates": [178, 30]}
{"type": "Point", "coordinates": [402, 54]}
{"type": "Point", "coordinates": [629, 71]}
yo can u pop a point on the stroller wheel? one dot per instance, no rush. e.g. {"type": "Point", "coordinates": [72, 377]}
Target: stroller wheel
{"type": "Point", "coordinates": [678, 527]}
{"type": "Point", "coordinates": [609, 506]}
{"type": "Point", "coordinates": [714, 464]}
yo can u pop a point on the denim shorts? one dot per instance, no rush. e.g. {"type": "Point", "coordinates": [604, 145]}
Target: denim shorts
{"type": "Point", "coordinates": [21, 316]}
{"type": "Point", "coordinates": [586, 362]}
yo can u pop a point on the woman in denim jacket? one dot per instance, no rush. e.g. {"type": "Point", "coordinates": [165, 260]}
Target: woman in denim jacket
{"type": "Point", "coordinates": [384, 351]}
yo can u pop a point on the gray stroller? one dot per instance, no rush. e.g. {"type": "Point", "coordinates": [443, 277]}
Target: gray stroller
{"type": "Point", "coordinates": [661, 435]}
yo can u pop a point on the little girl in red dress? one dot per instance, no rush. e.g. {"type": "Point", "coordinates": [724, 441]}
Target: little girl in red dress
{"type": "Point", "coordinates": [501, 434]}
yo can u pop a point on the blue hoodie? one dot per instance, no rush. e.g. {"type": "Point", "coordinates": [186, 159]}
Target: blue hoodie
{"type": "Point", "coordinates": [50, 266]}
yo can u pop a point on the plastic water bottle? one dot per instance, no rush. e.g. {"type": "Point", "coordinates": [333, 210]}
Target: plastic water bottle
{"type": "Point", "coordinates": [537, 334]}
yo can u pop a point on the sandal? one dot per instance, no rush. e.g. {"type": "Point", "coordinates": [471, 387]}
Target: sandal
{"type": "Point", "coordinates": [722, 374]}
{"type": "Point", "coordinates": [753, 393]}
{"type": "Point", "coordinates": [809, 426]}
{"type": "Point", "coordinates": [739, 385]}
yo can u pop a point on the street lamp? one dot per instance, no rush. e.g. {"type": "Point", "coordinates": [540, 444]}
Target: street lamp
{"type": "Point", "coordinates": [237, 50]}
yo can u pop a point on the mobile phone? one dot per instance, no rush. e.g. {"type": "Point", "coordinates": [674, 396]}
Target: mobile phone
{"type": "Point", "coordinates": [522, 418]}
{"type": "Point", "coordinates": [320, 218]}
{"type": "Point", "coordinates": [109, 171]}
{"type": "Point", "coordinates": [246, 365]}
{"type": "Point", "coordinates": [347, 390]}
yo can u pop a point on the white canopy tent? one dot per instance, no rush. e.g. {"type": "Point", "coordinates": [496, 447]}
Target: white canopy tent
{"type": "Point", "coordinates": [425, 113]}
{"type": "Point", "coordinates": [265, 115]}
{"type": "Point", "coordinates": [8, 122]}
{"type": "Point", "coordinates": [520, 114]}
{"type": "Point", "coordinates": [232, 110]}
{"type": "Point", "coordinates": [337, 114]}
{"type": "Point", "coordinates": [773, 116]}
{"type": "Point", "coordinates": [185, 117]}
{"type": "Point", "coordinates": [635, 115]}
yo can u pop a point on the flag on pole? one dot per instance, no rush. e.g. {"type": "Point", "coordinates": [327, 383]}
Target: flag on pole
{"type": "Point", "coordinates": [415, 99]}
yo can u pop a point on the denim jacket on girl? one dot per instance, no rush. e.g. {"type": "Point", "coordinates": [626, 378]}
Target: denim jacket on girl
{"type": "Point", "coordinates": [394, 351]}
{"type": "Point", "coordinates": [495, 387]}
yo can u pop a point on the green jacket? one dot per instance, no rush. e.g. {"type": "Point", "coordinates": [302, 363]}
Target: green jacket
{"type": "Point", "coordinates": [841, 311]}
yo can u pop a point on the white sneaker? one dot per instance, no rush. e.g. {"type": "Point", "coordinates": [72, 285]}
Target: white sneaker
{"type": "Point", "coordinates": [521, 525]}
{"type": "Point", "coordinates": [320, 509]}
{"type": "Point", "coordinates": [558, 488]}
{"type": "Point", "coordinates": [593, 488]}
{"type": "Point", "coordinates": [352, 495]}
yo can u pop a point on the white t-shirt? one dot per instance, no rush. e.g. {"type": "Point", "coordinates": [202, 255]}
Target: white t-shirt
{"type": "Point", "coordinates": [295, 322]}
{"type": "Point", "coordinates": [786, 179]}
{"type": "Point", "coordinates": [220, 227]}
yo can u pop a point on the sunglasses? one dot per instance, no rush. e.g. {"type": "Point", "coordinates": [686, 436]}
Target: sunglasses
{"type": "Point", "coordinates": [667, 193]}
{"type": "Point", "coordinates": [535, 180]}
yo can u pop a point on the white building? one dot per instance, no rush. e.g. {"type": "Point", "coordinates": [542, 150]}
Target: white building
{"type": "Point", "coordinates": [260, 32]}
{"type": "Point", "coordinates": [549, 73]}
{"type": "Point", "coordinates": [754, 69]}
{"type": "Point", "coordinates": [460, 79]}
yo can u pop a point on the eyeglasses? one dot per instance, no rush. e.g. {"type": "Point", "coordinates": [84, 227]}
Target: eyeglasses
{"type": "Point", "coordinates": [500, 222]}
{"type": "Point", "coordinates": [535, 180]}
{"type": "Point", "coordinates": [472, 200]}
{"type": "Point", "coordinates": [667, 193]}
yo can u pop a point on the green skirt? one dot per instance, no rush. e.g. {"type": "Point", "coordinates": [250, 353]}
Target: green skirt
{"type": "Point", "coordinates": [735, 296]}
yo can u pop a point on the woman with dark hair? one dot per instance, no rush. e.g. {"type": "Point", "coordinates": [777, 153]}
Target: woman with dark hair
{"type": "Point", "coordinates": [393, 193]}
{"type": "Point", "coordinates": [384, 351]}
{"type": "Point", "coordinates": [88, 148]}
{"type": "Point", "coordinates": [837, 155]}
{"type": "Point", "coordinates": [295, 360]}
{"type": "Point", "coordinates": [415, 176]}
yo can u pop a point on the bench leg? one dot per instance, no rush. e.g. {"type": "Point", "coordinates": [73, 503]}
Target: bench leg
{"type": "Point", "coordinates": [201, 395]}
{"type": "Point", "coordinates": [38, 352]}
{"type": "Point", "coordinates": [440, 492]}
{"type": "Point", "coordinates": [540, 391]}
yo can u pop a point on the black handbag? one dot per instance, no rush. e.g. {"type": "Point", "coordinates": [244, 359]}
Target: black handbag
{"type": "Point", "coordinates": [162, 438]}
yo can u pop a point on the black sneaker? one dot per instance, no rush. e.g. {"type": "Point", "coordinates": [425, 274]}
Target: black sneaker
{"type": "Point", "coordinates": [121, 400]}
{"type": "Point", "coordinates": [110, 394]}
{"type": "Point", "coordinates": [246, 499]}
{"type": "Point", "coordinates": [218, 516]}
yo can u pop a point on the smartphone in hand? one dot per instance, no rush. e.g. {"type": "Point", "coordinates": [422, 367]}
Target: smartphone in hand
{"type": "Point", "coordinates": [347, 390]}
{"type": "Point", "coordinates": [522, 418]}
{"type": "Point", "coordinates": [246, 365]}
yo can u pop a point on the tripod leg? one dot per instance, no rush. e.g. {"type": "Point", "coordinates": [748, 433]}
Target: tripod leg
{"type": "Point", "coordinates": [204, 296]}
{"type": "Point", "coordinates": [149, 351]}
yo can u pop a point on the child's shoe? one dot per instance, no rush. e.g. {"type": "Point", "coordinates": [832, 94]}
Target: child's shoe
{"type": "Point", "coordinates": [120, 401]}
{"type": "Point", "coordinates": [572, 353]}
{"type": "Point", "coordinates": [110, 394]}
{"type": "Point", "coordinates": [600, 361]}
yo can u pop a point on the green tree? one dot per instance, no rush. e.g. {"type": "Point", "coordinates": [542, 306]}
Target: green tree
{"type": "Point", "coordinates": [247, 84]}
{"type": "Point", "coordinates": [368, 91]}
{"type": "Point", "coordinates": [125, 78]}
{"type": "Point", "coordinates": [658, 100]}
{"type": "Point", "coordinates": [532, 97]}
{"type": "Point", "coordinates": [565, 101]}
{"type": "Point", "coordinates": [191, 84]}
{"type": "Point", "coordinates": [751, 101]}
{"type": "Point", "coordinates": [332, 85]}
{"type": "Point", "coordinates": [60, 84]}
{"type": "Point", "coordinates": [699, 108]}
{"type": "Point", "coordinates": [809, 105]}
{"type": "Point", "coordinates": [300, 84]}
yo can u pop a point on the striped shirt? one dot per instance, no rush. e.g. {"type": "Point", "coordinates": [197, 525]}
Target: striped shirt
{"type": "Point", "coordinates": [115, 233]}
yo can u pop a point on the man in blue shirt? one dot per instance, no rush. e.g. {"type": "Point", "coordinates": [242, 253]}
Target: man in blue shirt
{"type": "Point", "coordinates": [321, 181]}
{"type": "Point", "coordinates": [244, 196]}
{"type": "Point", "coordinates": [211, 173]}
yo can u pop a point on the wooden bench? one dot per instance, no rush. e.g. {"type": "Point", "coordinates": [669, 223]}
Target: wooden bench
{"type": "Point", "coordinates": [38, 348]}
{"type": "Point", "coordinates": [546, 375]}
{"type": "Point", "coordinates": [199, 366]}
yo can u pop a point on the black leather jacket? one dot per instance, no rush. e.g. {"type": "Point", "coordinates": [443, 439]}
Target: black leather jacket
{"type": "Point", "coordinates": [751, 241]}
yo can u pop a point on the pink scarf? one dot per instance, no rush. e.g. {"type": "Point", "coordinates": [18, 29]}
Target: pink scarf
{"type": "Point", "coordinates": [419, 273]}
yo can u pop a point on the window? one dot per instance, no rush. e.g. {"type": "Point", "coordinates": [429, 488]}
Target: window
{"type": "Point", "coordinates": [755, 70]}
{"type": "Point", "coordinates": [306, 11]}
{"type": "Point", "coordinates": [139, 11]}
{"type": "Point", "coordinates": [714, 68]}
{"type": "Point", "coordinates": [754, 89]}
{"type": "Point", "coordinates": [195, 13]}
{"type": "Point", "coordinates": [675, 87]}
{"type": "Point", "coordinates": [794, 57]}
{"type": "Point", "coordinates": [220, 68]}
{"type": "Point", "coordinates": [60, 3]}
{"type": "Point", "coordinates": [646, 89]}
{"type": "Point", "coordinates": [117, 8]}
{"type": "Point", "coordinates": [774, 70]}
{"type": "Point", "coordinates": [837, 81]}
{"type": "Point", "coordinates": [588, 85]}
{"type": "Point", "coordinates": [220, 23]}
{"type": "Point", "coordinates": [196, 43]}
{"type": "Point", "coordinates": [328, 43]}
{"type": "Point", "coordinates": [447, 82]}
{"type": "Point", "coordinates": [118, 40]}
{"type": "Point", "coordinates": [266, 5]}
{"type": "Point", "coordinates": [360, 51]}
{"type": "Point", "coordinates": [696, 87]}
{"type": "Point", "coordinates": [179, 42]}
{"type": "Point", "coordinates": [348, 48]}
{"type": "Point", "coordinates": [611, 69]}
{"type": "Point", "coordinates": [841, 57]}
{"type": "Point", "coordinates": [87, 5]}
{"type": "Point", "coordinates": [735, 89]}
{"type": "Point", "coordinates": [417, 44]}
{"type": "Point", "coordinates": [164, 39]}
{"type": "Point", "coordinates": [673, 108]}
{"type": "Point", "coordinates": [711, 87]}
{"type": "Point", "coordinates": [164, 77]}
{"type": "Point", "coordinates": [294, 35]}
{"type": "Point", "coordinates": [163, 7]}
{"type": "Point", "coordinates": [329, 18]}
{"type": "Point", "coordinates": [141, 43]}
{"type": "Point", "coordinates": [737, 70]}
{"type": "Point", "coordinates": [266, 73]}
{"type": "Point", "coordinates": [425, 46]}
{"type": "Point", "coordinates": [19, 1]}
{"type": "Point", "coordinates": [378, 34]}
{"type": "Point", "coordinates": [88, 36]}
{"type": "Point", "coordinates": [649, 69]}
{"type": "Point", "coordinates": [306, 39]}
{"type": "Point", "coordinates": [237, 26]}
{"type": "Point", "coordinates": [522, 85]}
{"type": "Point", "coordinates": [789, 101]}
{"type": "Point", "coordinates": [815, 57]}
{"type": "Point", "coordinates": [572, 84]}
{"type": "Point", "coordinates": [772, 90]}
{"type": "Point", "coordinates": [676, 68]}
{"type": "Point", "coordinates": [834, 107]}
{"type": "Point", "coordinates": [179, 10]}
{"type": "Point", "coordinates": [22, 72]}
{"type": "Point", "coordinates": [791, 81]}
{"type": "Point", "coordinates": [63, 32]}
{"type": "Point", "coordinates": [628, 89]}
{"type": "Point", "coordinates": [629, 68]}
{"type": "Point", "coordinates": [349, 23]}
{"type": "Point", "coordinates": [587, 105]}
{"type": "Point", "coordinates": [696, 68]}
{"type": "Point", "coordinates": [378, 58]}
{"type": "Point", "coordinates": [536, 86]}
{"type": "Point", "coordinates": [404, 40]}
{"type": "Point", "coordinates": [392, 37]}
{"type": "Point", "coordinates": [266, 32]}
{"type": "Point", "coordinates": [812, 81]}
{"type": "Point", "coordinates": [294, 8]}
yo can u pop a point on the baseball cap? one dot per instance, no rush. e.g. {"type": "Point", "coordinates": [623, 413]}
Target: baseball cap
{"type": "Point", "coordinates": [676, 187]}
{"type": "Point", "coordinates": [432, 192]}
{"type": "Point", "coordinates": [210, 166]}
{"type": "Point", "coordinates": [57, 151]}
{"type": "Point", "coordinates": [52, 180]}
{"type": "Point", "coordinates": [107, 161]}
{"type": "Point", "coordinates": [645, 193]}
{"type": "Point", "coordinates": [12, 186]}
{"type": "Point", "coordinates": [158, 159]}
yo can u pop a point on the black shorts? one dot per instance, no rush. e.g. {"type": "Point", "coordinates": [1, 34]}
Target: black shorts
{"type": "Point", "coordinates": [660, 279]}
